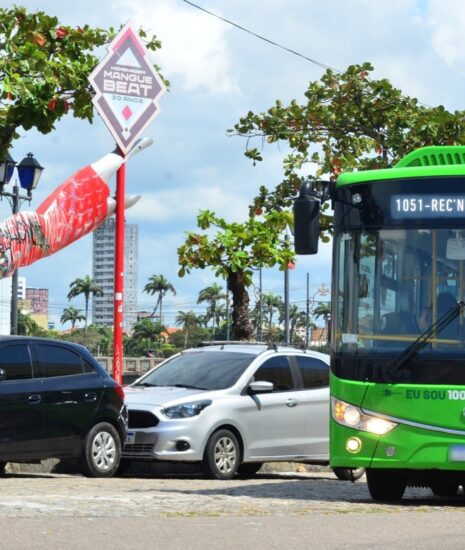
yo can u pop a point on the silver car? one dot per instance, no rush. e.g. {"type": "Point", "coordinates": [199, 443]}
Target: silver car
{"type": "Point", "coordinates": [231, 407]}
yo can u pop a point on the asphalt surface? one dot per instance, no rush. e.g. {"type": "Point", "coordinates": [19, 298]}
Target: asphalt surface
{"type": "Point", "coordinates": [302, 510]}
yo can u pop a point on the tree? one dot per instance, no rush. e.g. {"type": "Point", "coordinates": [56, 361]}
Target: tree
{"type": "Point", "coordinates": [186, 319]}
{"type": "Point", "coordinates": [271, 303]}
{"type": "Point", "coordinates": [234, 252]}
{"type": "Point", "coordinates": [323, 310]}
{"type": "Point", "coordinates": [87, 287]}
{"type": "Point", "coordinates": [348, 121]}
{"type": "Point", "coordinates": [146, 336]}
{"type": "Point", "coordinates": [158, 284]}
{"type": "Point", "coordinates": [27, 326]}
{"type": "Point", "coordinates": [44, 69]}
{"type": "Point", "coordinates": [297, 319]}
{"type": "Point", "coordinates": [73, 315]}
{"type": "Point", "coordinates": [212, 294]}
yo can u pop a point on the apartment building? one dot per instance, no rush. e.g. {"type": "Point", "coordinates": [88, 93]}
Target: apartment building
{"type": "Point", "coordinates": [103, 265]}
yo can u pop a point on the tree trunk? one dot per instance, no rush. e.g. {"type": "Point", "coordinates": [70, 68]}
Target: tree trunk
{"type": "Point", "coordinates": [241, 327]}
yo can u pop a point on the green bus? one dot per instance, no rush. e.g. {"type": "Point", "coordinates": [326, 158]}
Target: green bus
{"type": "Point", "coordinates": [398, 324]}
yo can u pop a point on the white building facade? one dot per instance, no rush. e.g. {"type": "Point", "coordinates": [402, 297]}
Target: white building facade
{"type": "Point", "coordinates": [103, 265]}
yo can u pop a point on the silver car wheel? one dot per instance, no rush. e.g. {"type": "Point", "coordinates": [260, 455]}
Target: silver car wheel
{"type": "Point", "coordinates": [225, 455]}
{"type": "Point", "coordinates": [103, 451]}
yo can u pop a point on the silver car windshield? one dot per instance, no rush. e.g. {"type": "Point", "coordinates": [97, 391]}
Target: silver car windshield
{"type": "Point", "coordinates": [208, 370]}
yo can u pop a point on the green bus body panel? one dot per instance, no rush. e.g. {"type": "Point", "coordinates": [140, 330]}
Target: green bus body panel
{"type": "Point", "coordinates": [416, 447]}
{"type": "Point", "coordinates": [422, 163]}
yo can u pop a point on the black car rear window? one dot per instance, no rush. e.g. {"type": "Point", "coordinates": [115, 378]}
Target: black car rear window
{"type": "Point", "coordinates": [210, 370]}
{"type": "Point", "coordinates": [57, 361]}
{"type": "Point", "coordinates": [16, 362]}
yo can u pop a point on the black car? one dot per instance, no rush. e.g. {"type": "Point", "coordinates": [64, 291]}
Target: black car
{"type": "Point", "coordinates": [56, 401]}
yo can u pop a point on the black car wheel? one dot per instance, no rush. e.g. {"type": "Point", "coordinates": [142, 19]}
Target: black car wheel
{"type": "Point", "coordinates": [248, 469]}
{"type": "Point", "coordinates": [222, 455]}
{"type": "Point", "coordinates": [102, 451]}
{"type": "Point", "coordinates": [348, 474]}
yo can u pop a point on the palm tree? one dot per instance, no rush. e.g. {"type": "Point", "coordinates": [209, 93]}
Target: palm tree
{"type": "Point", "coordinates": [187, 319]}
{"type": "Point", "coordinates": [212, 294]}
{"type": "Point", "coordinates": [271, 303]}
{"type": "Point", "coordinates": [158, 284]}
{"type": "Point", "coordinates": [87, 287]}
{"type": "Point", "coordinates": [27, 326]}
{"type": "Point", "coordinates": [147, 329]}
{"type": "Point", "coordinates": [294, 315]}
{"type": "Point", "coordinates": [73, 315]}
{"type": "Point", "coordinates": [323, 310]}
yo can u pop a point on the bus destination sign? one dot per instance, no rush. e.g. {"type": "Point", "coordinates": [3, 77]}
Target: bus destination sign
{"type": "Point", "coordinates": [427, 206]}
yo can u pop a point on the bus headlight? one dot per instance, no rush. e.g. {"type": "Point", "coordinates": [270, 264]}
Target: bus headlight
{"type": "Point", "coordinates": [353, 417]}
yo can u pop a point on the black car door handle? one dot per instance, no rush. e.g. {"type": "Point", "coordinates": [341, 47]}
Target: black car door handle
{"type": "Point", "coordinates": [91, 396]}
{"type": "Point", "coordinates": [34, 399]}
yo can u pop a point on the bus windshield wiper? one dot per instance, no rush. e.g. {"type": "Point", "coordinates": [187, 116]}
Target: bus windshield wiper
{"type": "Point", "coordinates": [431, 332]}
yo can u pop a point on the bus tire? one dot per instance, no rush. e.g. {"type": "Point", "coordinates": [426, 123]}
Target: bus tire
{"type": "Point", "coordinates": [444, 488]}
{"type": "Point", "coordinates": [386, 485]}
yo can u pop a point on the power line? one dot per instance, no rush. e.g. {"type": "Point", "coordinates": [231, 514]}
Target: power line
{"type": "Point", "coordinates": [314, 61]}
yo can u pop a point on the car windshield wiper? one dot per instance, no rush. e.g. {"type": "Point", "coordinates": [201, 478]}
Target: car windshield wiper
{"type": "Point", "coordinates": [188, 386]}
{"type": "Point", "coordinates": [418, 344]}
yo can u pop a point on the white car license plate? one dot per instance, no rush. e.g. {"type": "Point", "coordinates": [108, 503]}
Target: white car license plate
{"type": "Point", "coordinates": [130, 438]}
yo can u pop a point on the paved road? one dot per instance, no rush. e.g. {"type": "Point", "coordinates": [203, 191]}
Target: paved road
{"type": "Point", "coordinates": [269, 511]}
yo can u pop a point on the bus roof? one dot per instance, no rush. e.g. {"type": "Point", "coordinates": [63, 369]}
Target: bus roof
{"type": "Point", "coordinates": [443, 160]}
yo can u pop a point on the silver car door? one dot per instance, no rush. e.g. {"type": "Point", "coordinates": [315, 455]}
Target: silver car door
{"type": "Point", "coordinates": [273, 423]}
{"type": "Point", "coordinates": [315, 402]}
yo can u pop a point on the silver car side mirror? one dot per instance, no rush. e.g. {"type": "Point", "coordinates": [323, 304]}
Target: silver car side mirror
{"type": "Point", "coordinates": [260, 386]}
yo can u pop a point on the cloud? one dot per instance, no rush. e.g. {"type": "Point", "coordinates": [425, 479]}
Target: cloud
{"type": "Point", "coordinates": [194, 44]}
{"type": "Point", "coordinates": [176, 205]}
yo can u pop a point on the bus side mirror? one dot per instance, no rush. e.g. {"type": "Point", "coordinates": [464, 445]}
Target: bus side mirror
{"type": "Point", "coordinates": [306, 222]}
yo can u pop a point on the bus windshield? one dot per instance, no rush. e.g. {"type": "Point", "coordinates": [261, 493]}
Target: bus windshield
{"type": "Point", "coordinates": [393, 284]}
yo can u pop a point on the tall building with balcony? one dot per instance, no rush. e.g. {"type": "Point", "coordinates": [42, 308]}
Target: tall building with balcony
{"type": "Point", "coordinates": [38, 300]}
{"type": "Point", "coordinates": [103, 265]}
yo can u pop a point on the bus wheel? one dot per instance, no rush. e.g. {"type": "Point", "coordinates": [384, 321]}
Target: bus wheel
{"type": "Point", "coordinates": [444, 489]}
{"type": "Point", "coordinates": [386, 485]}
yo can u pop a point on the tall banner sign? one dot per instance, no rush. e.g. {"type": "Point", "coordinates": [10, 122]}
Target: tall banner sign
{"type": "Point", "coordinates": [127, 92]}
{"type": "Point", "coordinates": [127, 88]}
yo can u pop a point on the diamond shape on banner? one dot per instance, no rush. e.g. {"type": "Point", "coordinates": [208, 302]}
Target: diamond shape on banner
{"type": "Point", "coordinates": [127, 88]}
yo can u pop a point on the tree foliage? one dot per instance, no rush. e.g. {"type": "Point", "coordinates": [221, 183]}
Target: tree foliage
{"type": "Point", "coordinates": [348, 121]}
{"type": "Point", "coordinates": [84, 285]}
{"type": "Point", "coordinates": [234, 251]}
{"type": "Point", "coordinates": [44, 69]}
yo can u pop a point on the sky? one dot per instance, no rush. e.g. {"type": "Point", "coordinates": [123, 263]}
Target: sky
{"type": "Point", "coordinates": [218, 73]}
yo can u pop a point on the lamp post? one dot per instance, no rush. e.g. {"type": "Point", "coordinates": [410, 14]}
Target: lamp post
{"type": "Point", "coordinates": [29, 171]}
{"type": "Point", "coordinates": [322, 291]}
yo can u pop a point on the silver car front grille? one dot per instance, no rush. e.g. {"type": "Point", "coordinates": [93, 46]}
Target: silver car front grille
{"type": "Point", "coordinates": [137, 449]}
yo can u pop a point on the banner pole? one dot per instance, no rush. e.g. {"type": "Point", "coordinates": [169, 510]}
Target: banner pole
{"type": "Point", "coordinates": [119, 276]}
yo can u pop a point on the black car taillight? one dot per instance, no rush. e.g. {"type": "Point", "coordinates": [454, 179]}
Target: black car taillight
{"type": "Point", "coordinates": [119, 391]}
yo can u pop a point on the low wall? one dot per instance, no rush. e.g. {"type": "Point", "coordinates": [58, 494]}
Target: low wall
{"type": "Point", "coordinates": [133, 366]}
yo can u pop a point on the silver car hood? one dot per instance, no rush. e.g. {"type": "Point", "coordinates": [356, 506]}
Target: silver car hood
{"type": "Point", "coordinates": [139, 395]}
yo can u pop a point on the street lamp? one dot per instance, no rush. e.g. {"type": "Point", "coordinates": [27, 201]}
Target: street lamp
{"type": "Point", "coordinates": [29, 171]}
{"type": "Point", "coordinates": [322, 291]}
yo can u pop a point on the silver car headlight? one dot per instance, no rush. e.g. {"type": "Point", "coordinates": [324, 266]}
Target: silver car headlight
{"type": "Point", "coordinates": [186, 410]}
{"type": "Point", "coordinates": [353, 417]}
